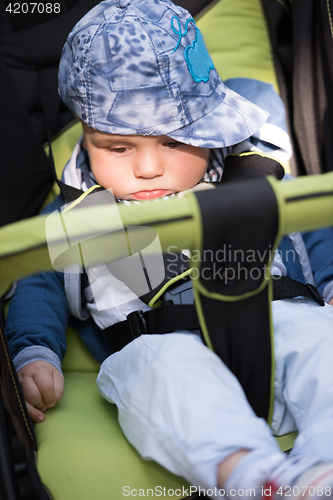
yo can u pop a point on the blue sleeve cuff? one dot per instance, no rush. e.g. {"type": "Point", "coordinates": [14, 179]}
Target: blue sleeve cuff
{"type": "Point", "coordinates": [36, 353]}
{"type": "Point", "coordinates": [328, 292]}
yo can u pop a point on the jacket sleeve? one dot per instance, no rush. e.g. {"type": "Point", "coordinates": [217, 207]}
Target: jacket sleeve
{"type": "Point", "coordinates": [319, 245]}
{"type": "Point", "coordinates": [37, 320]}
{"type": "Point", "coordinates": [38, 315]}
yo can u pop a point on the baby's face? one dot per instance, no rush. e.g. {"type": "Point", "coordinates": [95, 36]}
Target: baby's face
{"type": "Point", "coordinates": [139, 167]}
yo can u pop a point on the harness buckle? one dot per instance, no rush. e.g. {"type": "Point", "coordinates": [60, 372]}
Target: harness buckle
{"type": "Point", "coordinates": [137, 324]}
{"type": "Point", "coordinates": [316, 294]}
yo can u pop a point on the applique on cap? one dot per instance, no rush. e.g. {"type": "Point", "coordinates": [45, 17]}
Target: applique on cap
{"type": "Point", "coordinates": [196, 55]}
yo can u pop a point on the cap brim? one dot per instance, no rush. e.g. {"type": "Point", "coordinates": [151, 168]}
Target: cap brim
{"type": "Point", "coordinates": [231, 122]}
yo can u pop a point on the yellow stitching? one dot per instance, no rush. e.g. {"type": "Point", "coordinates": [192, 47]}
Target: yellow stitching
{"type": "Point", "coordinates": [166, 286]}
{"type": "Point", "coordinates": [16, 390]}
{"type": "Point", "coordinates": [80, 198]}
{"type": "Point", "coordinates": [329, 17]}
{"type": "Point", "coordinates": [258, 153]}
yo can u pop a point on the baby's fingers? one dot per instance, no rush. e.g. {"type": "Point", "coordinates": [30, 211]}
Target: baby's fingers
{"type": "Point", "coordinates": [35, 414]}
{"type": "Point", "coordinates": [46, 385]}
{"type": "Point", "coordinates": [42, 385]}
{"type": "Point", "coordinates": [31, 392]}
{"type": "Point", "coordinates": [58, 379]}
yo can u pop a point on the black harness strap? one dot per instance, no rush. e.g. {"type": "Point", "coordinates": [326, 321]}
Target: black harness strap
{"type": "Point", "coordinates": [163, 319]}
{"type": "Point", "coordinates": [50, 113]}
{"type": "Point", "coordinates": [169, 318]}
{"type": "Point", "coordinates": [70, 193]}
{"type": "Point", "coordinates": [287, 288]}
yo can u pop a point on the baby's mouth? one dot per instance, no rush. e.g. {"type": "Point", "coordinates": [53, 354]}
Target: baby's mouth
{"type": "Point", "coordinates": [150, 195]}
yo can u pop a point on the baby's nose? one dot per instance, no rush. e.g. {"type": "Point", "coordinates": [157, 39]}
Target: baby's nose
{"type": "Point", "coordinates": [149, 165]}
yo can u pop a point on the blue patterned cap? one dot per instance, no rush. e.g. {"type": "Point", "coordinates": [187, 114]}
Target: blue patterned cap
{"type": "Point", "coordinates": [140, 67]}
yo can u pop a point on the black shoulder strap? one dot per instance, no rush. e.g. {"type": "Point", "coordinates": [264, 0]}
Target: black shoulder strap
{"type": "Point", "coordinates": [250, 165]}
{"type": "Point", "coordinates": [239, 327]}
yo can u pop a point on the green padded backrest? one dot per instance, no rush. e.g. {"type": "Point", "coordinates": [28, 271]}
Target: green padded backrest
{"type": "Point", "coordinates": [62, 147]}
{"type": "Point", "coordinates": [236, 35]}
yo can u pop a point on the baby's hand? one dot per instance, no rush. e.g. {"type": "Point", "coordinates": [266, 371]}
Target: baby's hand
{"type": "Point", "coordinates": [331, 302]}
{"type": "Point", "coordinates": [43, 387]}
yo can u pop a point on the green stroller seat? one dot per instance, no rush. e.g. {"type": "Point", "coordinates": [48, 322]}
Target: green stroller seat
{"type": "Point", "coordinates": [82, 452]}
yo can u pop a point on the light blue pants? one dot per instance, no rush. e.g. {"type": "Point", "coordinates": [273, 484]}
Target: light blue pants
{"type": "Point", "coordinates": [182, 407]}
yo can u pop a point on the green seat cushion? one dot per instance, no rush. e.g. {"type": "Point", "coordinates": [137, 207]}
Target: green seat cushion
{"type": "Point", "coordinates": [78, 358]}
{"type": "Point", "coordinates": [83, 454]}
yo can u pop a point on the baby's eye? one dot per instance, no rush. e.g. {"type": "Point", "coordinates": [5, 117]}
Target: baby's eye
{"type": "Point", "coordinates": [172, 144]}
{"type": "Point", "coordinates": [119, 150]}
